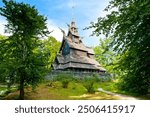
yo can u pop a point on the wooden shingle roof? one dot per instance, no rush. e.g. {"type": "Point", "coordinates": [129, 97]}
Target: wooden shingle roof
{"type": "Point", "coordinates": [73, 60]}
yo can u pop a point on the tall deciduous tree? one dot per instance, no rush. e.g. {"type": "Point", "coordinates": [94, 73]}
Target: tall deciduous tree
{"type": "Point", "coordinates": [129, 25]}
{"type": "Point", "coordinates": [51, 47]}
{"type": "Point", "coordinates": [106, 56]}
{"type": "Point", "coordinates": [3, 70]}
{"type": "Point", "coordinates": [26, 26]}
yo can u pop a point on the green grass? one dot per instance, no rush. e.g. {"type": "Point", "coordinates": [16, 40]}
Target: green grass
{"type": "Point", "coordinates": [112, 87]}
{"type": "Point", "coordinates": [2, 88]}
{"type": "Point", "coordinates": [4, 91]}
{"type": "Point", "coordinates": [75, 91]}
{"type": "Point", "coordinates": [109, 86]}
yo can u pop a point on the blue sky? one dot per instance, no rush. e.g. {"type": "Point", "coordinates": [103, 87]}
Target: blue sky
{"type": "Point", "coordinates": [60, 12]}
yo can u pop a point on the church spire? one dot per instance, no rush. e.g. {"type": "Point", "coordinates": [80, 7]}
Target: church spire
{"type": "Point", "coordinates": [73, 28]}
{"type": "Point", "coordinates": [73, 7]}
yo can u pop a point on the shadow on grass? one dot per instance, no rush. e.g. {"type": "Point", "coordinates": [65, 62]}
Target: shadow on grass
{"type": "Point", "coordinates": [75, 91]}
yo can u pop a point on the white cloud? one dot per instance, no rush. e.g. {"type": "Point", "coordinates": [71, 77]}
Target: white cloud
{"type": "Point", "coordinates": [56, 32]}
{"type": "Point", "coordinates": [3, 22]}
{"type": "Point", "coordinates": [84, 12]}
{"type": "Point", "coordinates": [2, 25]}
{"type": "Point", "coordinates": [50, 24]}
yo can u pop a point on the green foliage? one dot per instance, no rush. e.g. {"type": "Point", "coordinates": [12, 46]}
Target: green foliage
{"type": "Point", "coordinates": [7, 66]}
{"type": "Point", "coordinates": [23, 19]}
{"type": "Point", "coordinates": [64, 79]}
{"type": "Point", "coordinates": [22, 54]}
{"type": "Point", "coordinates": [88, 83]}
{"type": "Point", "coordinates": [105, 55]}
{"type": "Point", "coordinates": [5, 91]}
{"type": "Point", "coordinates": [75, 91]}
{"type": "Point", "coordinates": [65, 83]}
{"type": "Point", "coordinates": [51, 47]}
{"type": "Point", "coordinates": [129, 26]}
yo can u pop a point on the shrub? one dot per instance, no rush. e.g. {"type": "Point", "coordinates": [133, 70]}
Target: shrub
{"type": "Point", "coordinates": [88, 83]}
{"type": "Point", "coordinates": [64, 79]}
{"type": "Point", "coordinates": [65, 83]}
{"type": "Point", "coordinates": [89, 87]}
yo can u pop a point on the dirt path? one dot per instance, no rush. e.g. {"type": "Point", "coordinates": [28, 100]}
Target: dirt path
{"type": "Point", "coordinates": [122, 97]}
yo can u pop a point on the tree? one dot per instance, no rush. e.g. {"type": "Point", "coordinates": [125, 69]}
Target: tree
{"type": "Point", "coordinates": [51, 45]}
{"type": "Point", "coordinates": [106, 56]}
{"type": "Point", "coordinates": [128, 23]}
{"type": "Point", "coordinates": [3, 69]}
{"type": "Point", "coordinates": [23, 46]}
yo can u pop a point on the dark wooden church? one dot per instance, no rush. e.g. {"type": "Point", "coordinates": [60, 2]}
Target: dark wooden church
{"type": "Point", "coordinates": [74, 56]}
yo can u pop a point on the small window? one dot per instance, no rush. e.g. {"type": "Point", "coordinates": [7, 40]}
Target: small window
{"type": "Point", "coordinates": [66, 49]}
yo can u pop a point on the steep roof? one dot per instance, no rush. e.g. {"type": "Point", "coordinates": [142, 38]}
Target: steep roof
{"type": "Point", "coordinates": [78, 46]}
{"type": "Point", "coordinates": [80, 66]}
{"type": "Point", "coordinates": [76, 60]}
{"type": "Point", "coordinates": [73, 39]}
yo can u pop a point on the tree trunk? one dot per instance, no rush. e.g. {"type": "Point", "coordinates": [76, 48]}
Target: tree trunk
{"type": "Point", "coordinates": [21, 97]}
{"type": "Point", "coordinates": [22, 71]}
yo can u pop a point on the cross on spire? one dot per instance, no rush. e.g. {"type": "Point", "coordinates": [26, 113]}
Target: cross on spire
{"type": "Point", "coordinates": [73, 7]}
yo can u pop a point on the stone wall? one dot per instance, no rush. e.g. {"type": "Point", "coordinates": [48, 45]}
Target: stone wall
{"type": "Point", "coordinates": [80, 75]}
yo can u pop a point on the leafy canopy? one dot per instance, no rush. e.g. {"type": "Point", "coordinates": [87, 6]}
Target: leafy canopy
{"type": "Point", "coordinates": [107, 57]}
{"type": "Point", "coordinates": [23, 19]}
{"type": "Point", "coordinates": [51, 47]}
{"type": "Point", "coordinates": [23, 49]}
{"type": "Point", "coordinates": [129, 27]}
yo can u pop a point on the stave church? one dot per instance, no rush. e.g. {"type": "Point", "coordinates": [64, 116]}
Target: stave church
{"type": "Point", "coordinates": [74, 56]}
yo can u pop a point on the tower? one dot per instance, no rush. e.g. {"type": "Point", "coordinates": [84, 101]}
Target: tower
{"type": "Point", "coordinates": [74, 56]}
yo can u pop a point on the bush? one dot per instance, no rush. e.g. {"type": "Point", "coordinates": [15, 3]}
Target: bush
{"type": "Point", "coordinates": [88, 83]}
{"type": "Point", "coordinates": [89, 86]}
{"type": "Point", "coordinates": [64, 79]}
{"type": "Point", "coordinates": [134, 85]}
{"type": "Point", "coordinates": [65, 83]}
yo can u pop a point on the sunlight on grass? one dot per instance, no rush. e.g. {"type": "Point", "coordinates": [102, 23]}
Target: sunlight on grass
{"type": "Point", "coordinates": [95, 96]}
{"type": "Point", "coordinates": [2, 88]}
{"type": "Point", "coordinates": [75, 91]}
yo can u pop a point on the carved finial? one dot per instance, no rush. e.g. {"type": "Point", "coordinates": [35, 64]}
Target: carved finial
{"type": "Point", "coordinates": [64, 34]}
{"type": "Point", "coordinates": [68, 25]}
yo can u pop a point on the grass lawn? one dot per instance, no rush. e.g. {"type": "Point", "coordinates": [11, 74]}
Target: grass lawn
{"type": "Point", "coordinates": [75, 91]}
{"type": "Point", "coordinates": [112, 87]}
{"type": "Point", "coordinates": [2, 88]}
